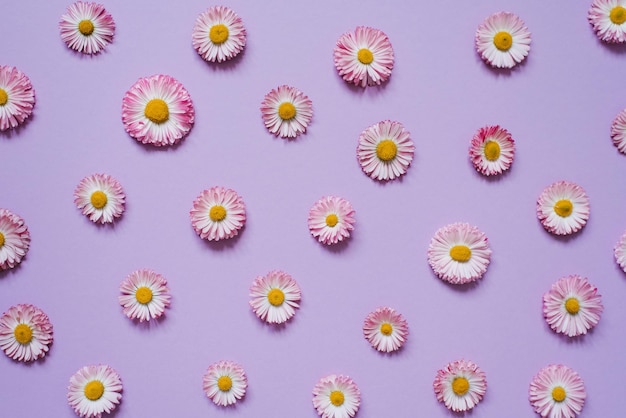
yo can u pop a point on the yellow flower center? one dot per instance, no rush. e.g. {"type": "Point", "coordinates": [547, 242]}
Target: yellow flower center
{"type": "Point", "coordinates": [618, 15]}
{"type": "Point", "coordinates": [143, 295]}
{"type": "Point", "coordinates": [572, 306]}
{"type": "Point", "coordinates": [94, 390]}
{"type": "Point", "coordinates": [563, 208]}
{"type": "Point", "coordinates": [365, 56]}
{"type": "Point", "coordinates": [4, 97]}
{"type": "Point", "coordinates": [276, 297]}
{"type": "Point", "coordinates": [286, 111]}
{"type": "Point", "coordinates": [23, 334]}
{"type": "Point", "coordinates": [218, 34]}
{"type": "Point", "coordinates": [492, 150]}
{"type": "Point", "coordinates": [460, 253]}
{"type": "Point", "coordinates": [99, 199]}
{"type": "Point", "coordinates": [337, 398]}
{"type": "Point", "coordinates": [386, 150]}
{"type": "Point", "coordinates": [1, 239]}
{"type": "Point", "coordinates": [460, 386]}
{"type": "Point", "coordinates": [157, 111]}
{"type": "Point", "coordinates": [217, 213]}
{"type": "Point", "coordinates": [332, 220]}
{"type": "Point", "coordinates": [85, 27]}
{"type": "Point", "coordinates": [386, 328]}
{"type": "Point", "coordinates": [224, 383]}
{"type": "Point", "coordinates": [503, 41]}
{"type": "Point", "coordinates": [558, 394]}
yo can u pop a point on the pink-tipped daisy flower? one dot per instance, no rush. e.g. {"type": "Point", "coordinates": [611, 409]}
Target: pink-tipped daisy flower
{"type": "Point", "coordinates": [385, 329]}
{"type": "Point", "coordinates": [618, 131]}
{"type": "Point", "coordinates": [608, 18]}
{"type": "Point", "coordinates": [145, 295]}
{"type": "Point", "coordinates": [459, 253]}
{"type": "Point", "coordinates": [385, 150]}
{"type": "Point", "coordinates": [94, 390]}
{"type": "Point", "coordinates": [492, 150]}
{"type": "Point", "coordinates": [17, 97]}
{"type": "Point", "coordinates": [502, 40]}
{"type": "Point", "coordinates": [557, 392]}
{"type": "Point", "coordinates": [364, 57]}
{"type": "Point", "coordinates": [219, 34]}
{"type": "Point", "coordinates": [225, 383]}
{"type": "Point", "coordinates": [100, 197]}
{"type": "Point", "coordinates": [14, 239]}
{"type": "Point", "coordinates": [331, 219]}
{"type": "Point", "coordinates": [286, 111]}
{"type": "Point", "coordinates": [274, 297]}
{"type": "Point", "coordinates": [158, 110]}
{"type": "Point", "coordinates": [620, 252]}
{"type": "Point", "coordinates": [336, 396]}
{"type": "Point", "coordinates": [25, 333]}
{"type": "Point", "coordinates": [572, 306]}
{"type": "Point", "coordinates": [87, 27]}
{"type": "Point", "coordinates": [563, 208]}
{"type": "Point", "coordinates": [460, 385]}
{"type": "Point", "coordinates": [218, 213]}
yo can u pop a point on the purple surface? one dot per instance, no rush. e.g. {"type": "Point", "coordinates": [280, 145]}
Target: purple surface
{"type": "Point", "coordinates": [558, 105]}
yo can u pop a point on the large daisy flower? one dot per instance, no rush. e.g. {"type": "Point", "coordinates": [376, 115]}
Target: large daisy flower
{"type": "Point", "coordinates": [17, 97]}
{"type": "Point", "coordinates": [502, 40]}
{"type": "Point", "coordinates": [459, 253]}
{"type": "Point", "coordinates": [385, 150]}
{"type": "Point", "coordinates": [14, 239]}
{"type": "Point", "coordinates": [25, 333]}
{"type": "Point", "coordinates": [608, 18]}
{"type": "Point", "coordinates": [286, 111]}
{"type": "Point", "coordinates": [385, 329]}
{"type": "Point", "coordinates": [225, 382]}
{"type": "Point", "coordinates": [364, 57]}
{"type": "Point", "coordinates": [563, 208]}
{"type": "Point", "coordinates": [618, 131]}
{"type": "Point", "coordinates": [492, 150]}
{"type": "Point", "coordinates": [620, 252]}
{"type": "Point", "coordinates": [336, 397]}
{"type": "Point", "coordinates": [100, 197]}
{"type": "Point", "coordinates": [218, 34]}
{"type": "Point", "coordinates": [557, 392]}
{"type": "Point", "coordinates": [144, 295]}
{"type": "Point", "coordinates": [94, 390]}
{"type": "Point", "coordinates": [275, 297]}
{"type": "Point", "coordinates": [157, 110]}
{"type": "Point", "coordinates": [87, 27]}
{"type": "Point", "coordinates": [331, 219]}
{"type": "Point", "coordinates": [572, 306]}
{"type": "Point", "coordinates": [218, 213]}
{"type": "Point", "coordinates": [460, 385]}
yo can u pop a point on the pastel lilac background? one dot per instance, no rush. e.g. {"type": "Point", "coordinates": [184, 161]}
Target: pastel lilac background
{"type": "Point", "coordinates": [558, 105]}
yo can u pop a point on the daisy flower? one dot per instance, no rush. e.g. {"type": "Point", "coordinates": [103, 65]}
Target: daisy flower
{"type": "Point", "coordinates": [219, 34]}
{"type": "Point", "coordinates": [286, 111]}
{"type": "Point", "coordinates": [557, 392]}
{"type": "Point", "coordinates": [331, 219]}
{"type": "Point", "coordinates": [572, 306]}
{"type": "Point", "coordinates": [492, 150]}
{"type": "Point", "coordinates": [502, 40]}
{"type": "Point", "coordinates": [607, 18]}
{"type": "Point", "coordinates": [218, 213]}
{"type": "Point", "coordinates": [385, 329]}
{"type": "Point", "coordinates": [17, 97]}
{"type": "Point", "coordinates": [225, 383]}
{"type": "Point", "coordinates": [336, 397]}
{"type": "Point", "coordinates": [364, 57]}
{"type": "Point", "coordinates": [618, 131]}
{"type": "Point", "coordinates": [275, 297]}
{"type": "Point", "coordinates": [144, 295]}
{"type": "Point", "coordinates": [620, 252]}
{"type": "Point", "coordinates": [459, 253]}
{"type": "Point", "coordinates": [87, 27]}
{"type": "Point", "coordinates": [100, 197]}
{"type": "Point", "coordinates": [460, 385]}
{"type": "Point", "coordinates": [94, 390]}
{"type": "Point", "coordinates": [385, 150]}
{"type": "Point", "coordinates": [157, 110]}
{"type": "Point", "coordinates": [25, 333]}
{"type": "Point", "coordinates": [563, 208]}
{"type": "Point", "coordinates": [14, 239]}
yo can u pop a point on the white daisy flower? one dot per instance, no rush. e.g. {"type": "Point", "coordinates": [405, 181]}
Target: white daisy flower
{"type": "Point", "coordinates": [557, 392]}
{"type": "Point", "coordinates": [385, 329]}
{"type": "Point", "coordinates": [608, 18]}
{"type": "Point", "coordinates": [87, 27]}
{"type": "Point", "coordinates": [618, 131]}
{"type": "Point", "coordinates": [385, 150]}
{"type": "Point", "coordinates": [286, 111]}
{"type": "Point", "coordinates": [14, 239]}
{"type": "Point", "coordinates": [144, 295]}
{"type": "Point", "coordinates": [502, 40]}
{"type": "Point", "coordinates": [218, 213]}
{"type": "Point", "coordinates": [219, 34]}
{"type": "Point", "coordinates": [336, 397]}
{"type": "Point", "coordinates": [225, 383]}
{"type": "Point", "coordinates": [25, 333]}
{"type": "Point", "coordinates": [94, 390]}
{"type": "Point", "coordinates": [100, 197]}
{"type": "Point", "coordinates": [563, 208]}
{"type": "Point", "coordinates": [275, 297]}
{"type": "Point", "coordinates": [460, 385]}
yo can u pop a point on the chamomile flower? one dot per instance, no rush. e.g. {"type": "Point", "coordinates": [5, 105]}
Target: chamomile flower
{"type": "Point", "coordinates": [331, 219]}
{"type": "Point", "coordinates": [275, 297]}
{"type": "Point", "coordinates": [459, 253]}
{"type": "Point", "coordinates": [219, 34]}
{"type": "Point", "coordinates": [225, 383]}
{"type": "Point", "coordinates": [502, 40]}
{"type": "Point", "coordinates": [94, 390]}
{"type": "Point", "coordinates": [17, 97]}
{"type": "Point", "coordinates": [460, 385]}
{"type": "Point", "coordinates": [364, 57]}
{"type": "Point", "coordinates": [608, 18]}
{"type": "Point", "coordinates": [218, 213]}
{"type": "Point", "coordinates": [87, 27]}
{"type": "Point", "coordinates": [100, 197]}
{"type": "Point", "coordinates": [157, 110]}
{"type": "Point", "coordinates": [336, 396]}
{"type": "Point", "coordinates": [144, 295]}
{"type": "Point", "coordinates": [385, 150]}
{"type": "Point", "coordinates": [620, 252]}
{"type": "Point", "coordinates": [385, 329]}
{"type": "Point", "coordinates": [286, 111]}
{"type": "Point", "coordinates": [557, 392]}
{"type": "Point", "coordinates": [563, 208]}
{"type": "Point", "coordinates": [25, 333]}
{"type": "Point", "coordinates": [14, 239]}
{"type": "Point", "coordinates": [492, 150]}
{"type": "Point", "coordinates": [618, 131]}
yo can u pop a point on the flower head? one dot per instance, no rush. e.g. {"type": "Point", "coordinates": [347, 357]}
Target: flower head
{"type": "Point", "coordinates": [502, 40]}
{"type": "Point", "coordinates": [618, 131]}
{"type": "Point", "coordinates": [385, 329]}
{"type": "Point", "coordinates": [385, 150]}
{"type": "Point", "coordinates": [218, 213]}
{"type": "Point", "coordinates": [94, 390]}
{"type": "Point", "coordinates": [557, 392]}
{"type": "Point", "coordinates": [331, 219]}
{"type": "Point", "coordinates": [460, 385]}
{"type": "Point", "coordinates": [563, 208]}
{"type": "Point", "coordinates": [336, 397]}
{"type": "Point", "coordinates": [25, 333]}
{"type": "Point", "coordinates": [17, 97]}
{"type": "Point", "coordinates": [14, 239]}
{"type": "Point", "coordinates": [492, 150]}
{"type": "Point", "coordinates": [219, 34]}
{"type": "Point", "coordinates": [87, 27]}
{"type": "Point", "coordinates": [144, 295]}
{"type": "Point", "coordinates": [100, 197]}
{"type": "Point", "coordinates": [286, 111]}
{"type": "Point", "coordinates": [225, 382]}
{"type": "Point", "coordinates": [608, 18]}
{"type": "Point", "coordinates": [274, 297]}
{"type": "Point", "coordinates": [620, 252]}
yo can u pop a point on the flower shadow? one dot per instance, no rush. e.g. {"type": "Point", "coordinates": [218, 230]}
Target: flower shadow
{"type": "Point", "coordinates": [10, 133]}
{"type": "Point", "coordinates": [225, 66]}
{"type": "Point", "coordinates": [614, 48]}
{"type": "Point", "coordinates": [152, 324]}
{"type": "Point", "coordinates": [225, 244]}
{"type": "Point", "coordinates": [567, 238]}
